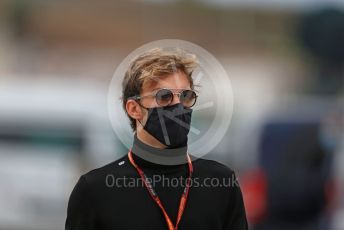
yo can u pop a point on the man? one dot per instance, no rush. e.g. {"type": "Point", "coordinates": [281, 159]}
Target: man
{"type": "Point", "coordinates": [139, 190]}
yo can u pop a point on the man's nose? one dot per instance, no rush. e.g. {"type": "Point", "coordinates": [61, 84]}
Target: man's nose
{"type": "Point", "coordinates": [176, 98]}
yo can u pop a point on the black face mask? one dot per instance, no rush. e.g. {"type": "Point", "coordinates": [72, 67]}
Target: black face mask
{"type": "Point", "coordinates": [170, 124]}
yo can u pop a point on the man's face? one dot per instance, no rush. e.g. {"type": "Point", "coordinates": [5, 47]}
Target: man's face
{"type": "Point", "coordinates": [177, 81]}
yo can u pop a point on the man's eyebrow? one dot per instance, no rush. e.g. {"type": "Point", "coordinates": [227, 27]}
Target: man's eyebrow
{"type": "Point", "coordinates": [157, 88]}
{"type": "Point", "coordinates": [188, 87]}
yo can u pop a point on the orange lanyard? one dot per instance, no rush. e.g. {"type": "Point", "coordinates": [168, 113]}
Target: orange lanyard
{"type": "Point", "coordinates": [155, 197]}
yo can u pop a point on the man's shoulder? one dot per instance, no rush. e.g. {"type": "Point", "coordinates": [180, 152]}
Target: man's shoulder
{"type": "Point", "coordinates": [212, 168]}
{"type": "Point", "coordinates": [116, 168]}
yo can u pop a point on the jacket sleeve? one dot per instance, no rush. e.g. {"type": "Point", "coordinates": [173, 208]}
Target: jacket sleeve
{"type": "Point", "coordinates": [80, 212]}
{"type": "Point", "coordinates": [236, 214]}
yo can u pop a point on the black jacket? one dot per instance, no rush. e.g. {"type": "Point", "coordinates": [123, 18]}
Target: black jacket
{"type": "Point", "coordinates": [111, 197]}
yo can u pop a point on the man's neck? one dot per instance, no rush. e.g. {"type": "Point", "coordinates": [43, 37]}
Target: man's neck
{"type": "Point", "coordinates": [161, 156]}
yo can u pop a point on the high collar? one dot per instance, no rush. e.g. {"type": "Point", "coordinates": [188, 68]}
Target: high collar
{"type": "Point", "coordinates": [158, 160]}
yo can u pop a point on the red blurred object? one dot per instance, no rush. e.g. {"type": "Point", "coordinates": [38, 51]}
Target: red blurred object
{"type": "Point", "coordinates": [254, 186]}
{"type": "Point", "coordinates": [332, 196]}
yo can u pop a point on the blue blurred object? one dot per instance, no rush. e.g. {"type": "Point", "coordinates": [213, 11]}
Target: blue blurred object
{"type": "Point", "coordinates": [297, 168]}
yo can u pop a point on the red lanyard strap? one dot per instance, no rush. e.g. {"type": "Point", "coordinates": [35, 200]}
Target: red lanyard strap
{"type": "Point", "coordinates": [155, 197]}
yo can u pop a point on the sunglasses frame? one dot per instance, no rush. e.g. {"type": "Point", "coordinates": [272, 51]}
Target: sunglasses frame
{"type": "Point", "coordinates": [155, 92]}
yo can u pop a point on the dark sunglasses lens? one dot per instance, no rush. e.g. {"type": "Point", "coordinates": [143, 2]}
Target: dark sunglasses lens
{"type": "Point", "coordinates": [164, 97]}
{"type": "Point", "coordinates": [188, 98]}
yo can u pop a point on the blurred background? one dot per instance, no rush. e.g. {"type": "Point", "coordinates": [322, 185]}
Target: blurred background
{"type": "Point", "coordinates": [285, 60]}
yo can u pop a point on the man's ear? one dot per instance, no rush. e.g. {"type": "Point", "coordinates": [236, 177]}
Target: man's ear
{"type": "Point", "coordinates": [134, 109]}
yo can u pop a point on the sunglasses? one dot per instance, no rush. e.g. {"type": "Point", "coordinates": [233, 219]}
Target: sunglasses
{"type": "Point", "coordinates": [164, 97]}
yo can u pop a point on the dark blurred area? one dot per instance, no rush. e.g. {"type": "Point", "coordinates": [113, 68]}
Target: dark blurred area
{"type": "Point", "coordinates": [285, 60]}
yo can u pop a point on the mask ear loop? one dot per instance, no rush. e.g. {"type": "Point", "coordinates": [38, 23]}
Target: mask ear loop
{"type": "Point", "coordinates": [140, 123]}
{"type": "Point", "coordinates": [138, 102]}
